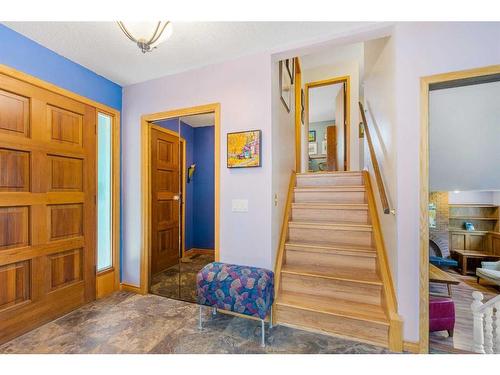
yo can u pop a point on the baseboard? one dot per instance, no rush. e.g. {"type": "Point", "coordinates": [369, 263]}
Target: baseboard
{"type": "Point", "coordinates": [412, 347]}
{"type": "Point", "coordinates": [130, 288]}
{"type": "Point", "coordinates": [195, 250]}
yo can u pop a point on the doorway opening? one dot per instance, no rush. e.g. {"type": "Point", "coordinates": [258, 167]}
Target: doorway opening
{"type": "Point", "coordinates": [460, 199]}
{"type": "Point", "coordinates": [327, 125]}
{"type": "Point", "coordinates": [180, 176]}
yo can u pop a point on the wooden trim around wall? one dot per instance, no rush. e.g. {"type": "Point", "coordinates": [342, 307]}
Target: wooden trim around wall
{"type": "Point", "coordinates": [130, 288]}
{"type": "Point", "coordinates": [347, 114]}
{"type": "Point", "coordinates": [146, 178]}
{"type": "Point", "coordinates": [298, 114]}
{"type": "Point", "coordinates": [425, 83]}
{"type": "Point", "coordinates": [411, 347]}
{"type": "Point", "coordinates": [108, 280]}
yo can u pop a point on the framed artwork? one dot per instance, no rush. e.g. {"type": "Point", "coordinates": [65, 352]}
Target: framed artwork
{"type": "Point", "coordinates": [243, 149]}
{"type": "Point", "coordinates": [312, 136]}
{"type": "Point", "coordinates": [285, 85]}
{"type": "Point", "coordinates": [313, 148]}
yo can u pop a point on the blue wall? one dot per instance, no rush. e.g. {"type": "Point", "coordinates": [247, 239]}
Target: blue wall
{"type": "Point", "coordinates": [203, 180]}
{"type": "Point", "coordinates": [25, 55]}
{"type": "Point", "coordinates": [200, 192]}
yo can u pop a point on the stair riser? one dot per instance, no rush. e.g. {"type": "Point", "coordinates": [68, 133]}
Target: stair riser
{"type": "Point", "coordinates": [330, 236]}
{"type": "Point", "coordinates": [333, 260]}
{"type": "Point", "coordinates": [330, 196]}
{"type": "Point", "coordinates": [335, 289]}
{"type": "Point", "coordinates": [330, 215]}
{"type": "Point", "coordinates": [369, 331]}
{"type": "Point", "coordinates": [329, 180]}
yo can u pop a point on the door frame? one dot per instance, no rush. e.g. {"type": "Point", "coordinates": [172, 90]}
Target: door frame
{"type": "Point", "coordinates": [108, 280]}
{"type": "Point", "coordinates": [347, 114]}
{"type": "Point", "coordinates": [146, 181]}
{"type": "Point", "coordinates": [425, 83]}
{"type": "Point", "coordinates": [297, 81]}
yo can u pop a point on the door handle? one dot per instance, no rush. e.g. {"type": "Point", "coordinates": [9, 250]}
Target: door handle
{"type": "Point", "coordinates": [176, 197]}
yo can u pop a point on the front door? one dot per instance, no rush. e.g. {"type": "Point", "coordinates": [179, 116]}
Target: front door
{"type": "Point", "coordinates": [47, 205]}
{"type": "Point", "coordinates": [164, 200]}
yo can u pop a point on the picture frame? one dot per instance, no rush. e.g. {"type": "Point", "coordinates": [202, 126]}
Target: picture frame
{"type": "Point", "coordinates": [285, 84]}
{"type": "Point", "coordinates": [290, 65]}
{"type": "Point", "coordinates": [244, 149]}
{"type": "Point", "coordinates": [312, 136]}
{"type": "Point", "coordinates": [313, 148]}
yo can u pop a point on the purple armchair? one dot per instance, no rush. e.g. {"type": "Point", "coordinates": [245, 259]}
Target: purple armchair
{"type": "Point", "coordinates": [441, 314]}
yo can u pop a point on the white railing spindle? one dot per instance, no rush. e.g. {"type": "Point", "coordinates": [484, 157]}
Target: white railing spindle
{"type": "Point", "coordinates": [478, 335]}
{"type": "Point", "coordinates": [497, 328]}
{"type": "Point", "coordinates": [486, 319]}
{"type": "Point", "coordinates": [488, 330]}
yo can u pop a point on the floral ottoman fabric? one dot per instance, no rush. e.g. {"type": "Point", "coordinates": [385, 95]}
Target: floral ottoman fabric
{"type": "Point", "coordinates": [242, 289]}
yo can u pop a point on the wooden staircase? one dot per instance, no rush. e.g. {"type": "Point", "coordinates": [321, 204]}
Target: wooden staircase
{"type": "Point", "coordinates": [331, 271]}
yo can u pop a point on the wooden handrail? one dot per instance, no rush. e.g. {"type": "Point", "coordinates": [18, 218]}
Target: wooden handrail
{"type": "Point", "coordinates": [283, 237]}
{"type": "Point", "coordinates": [378, 176]}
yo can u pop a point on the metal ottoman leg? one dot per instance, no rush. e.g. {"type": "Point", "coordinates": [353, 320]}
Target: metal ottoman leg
{"type": "Point", "coordinates": [271, 318]}
{"type": "Point", "coordinates": [200, 321]}
{"type": "Point", "coordinates": [214, 311]}
{"type": "Point", "coordinates": [263, 334]}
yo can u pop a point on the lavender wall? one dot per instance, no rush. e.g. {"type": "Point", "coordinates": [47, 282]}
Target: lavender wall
{"type": "Point", "coordinates": [448, 47]}
{"type": "Point", "coordinates": [243, 89]}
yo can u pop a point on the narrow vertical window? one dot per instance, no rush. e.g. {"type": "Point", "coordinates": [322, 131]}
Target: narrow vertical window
{"type": "Point", "coordinates": [104, 192]}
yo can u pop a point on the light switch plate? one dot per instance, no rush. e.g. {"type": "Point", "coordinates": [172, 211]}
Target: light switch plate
{"type": "Point", "coordinates": [239, 205]}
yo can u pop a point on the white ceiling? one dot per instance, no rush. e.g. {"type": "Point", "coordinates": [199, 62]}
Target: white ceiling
{"type": "Point", "coordinates": [322, 102]}
{"type": "Point", "coordinates": [101, 46]}
{"type": "Point", "coordinates": [199, 121]}
{"type": "Point", "coordinates": [334, 55]}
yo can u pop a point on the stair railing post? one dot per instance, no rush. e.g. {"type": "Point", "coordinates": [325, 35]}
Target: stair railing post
{"type": "Point", "coordinates": [478, 334]}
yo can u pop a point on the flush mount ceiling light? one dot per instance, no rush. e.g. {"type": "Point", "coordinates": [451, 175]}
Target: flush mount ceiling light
{"type": "Point", "coordinates": [147, 35]}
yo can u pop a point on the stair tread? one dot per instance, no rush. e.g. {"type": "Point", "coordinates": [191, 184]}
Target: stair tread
{"type": "Point", "coordinates": [330, 173]}
{"type": "Point", "coordinates": [349, 309]}
{"type": "Point", "coordinates": [326, 248]}
{"type": "Point", "coordinates": [330, 206]}
{"type": "Point", "coordinates": [331, 188]}
{"type": "Point", "coordinates": [330, 225]}
{"type": "Point", "coordinates": [345, 274]}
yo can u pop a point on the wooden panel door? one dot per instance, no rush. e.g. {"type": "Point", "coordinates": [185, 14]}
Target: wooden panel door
{"type": "Point", "coordinates": [165, 200]}
{"type": "Point", "coordinates": [331, 148]}
{"type": "Point", "coordinates": [47, 209]}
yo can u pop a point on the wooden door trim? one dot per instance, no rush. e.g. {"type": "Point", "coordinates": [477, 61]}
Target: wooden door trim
{"type": "Point", "coordinates": [146, 180]}
{"type": "Point", "coordinates": [425, 83]}
{"type": "Point", "coordinates": [298, 112]}
{"type": "Point", "coordinates": [347, 114]}
{"type": "Point", "coordinates": [115, 114]}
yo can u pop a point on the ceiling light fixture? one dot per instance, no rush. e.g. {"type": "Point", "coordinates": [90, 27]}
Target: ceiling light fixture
{"type": "Point", "coordinates": [142, 30]}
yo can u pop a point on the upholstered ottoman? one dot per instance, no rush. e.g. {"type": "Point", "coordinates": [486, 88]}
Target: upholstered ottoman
{"type": "Point", "coordinates": [441, 314]}
{"type": "Point", "coordinates": [240, 289]}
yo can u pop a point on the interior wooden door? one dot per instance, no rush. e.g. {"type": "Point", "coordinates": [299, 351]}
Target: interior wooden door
{"type": "Point", "coordinates": [165, 200]}
{"type": "Point", "coordinates": [47, 205]}
{"type": "Point", "coordinates": [331, 148]}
